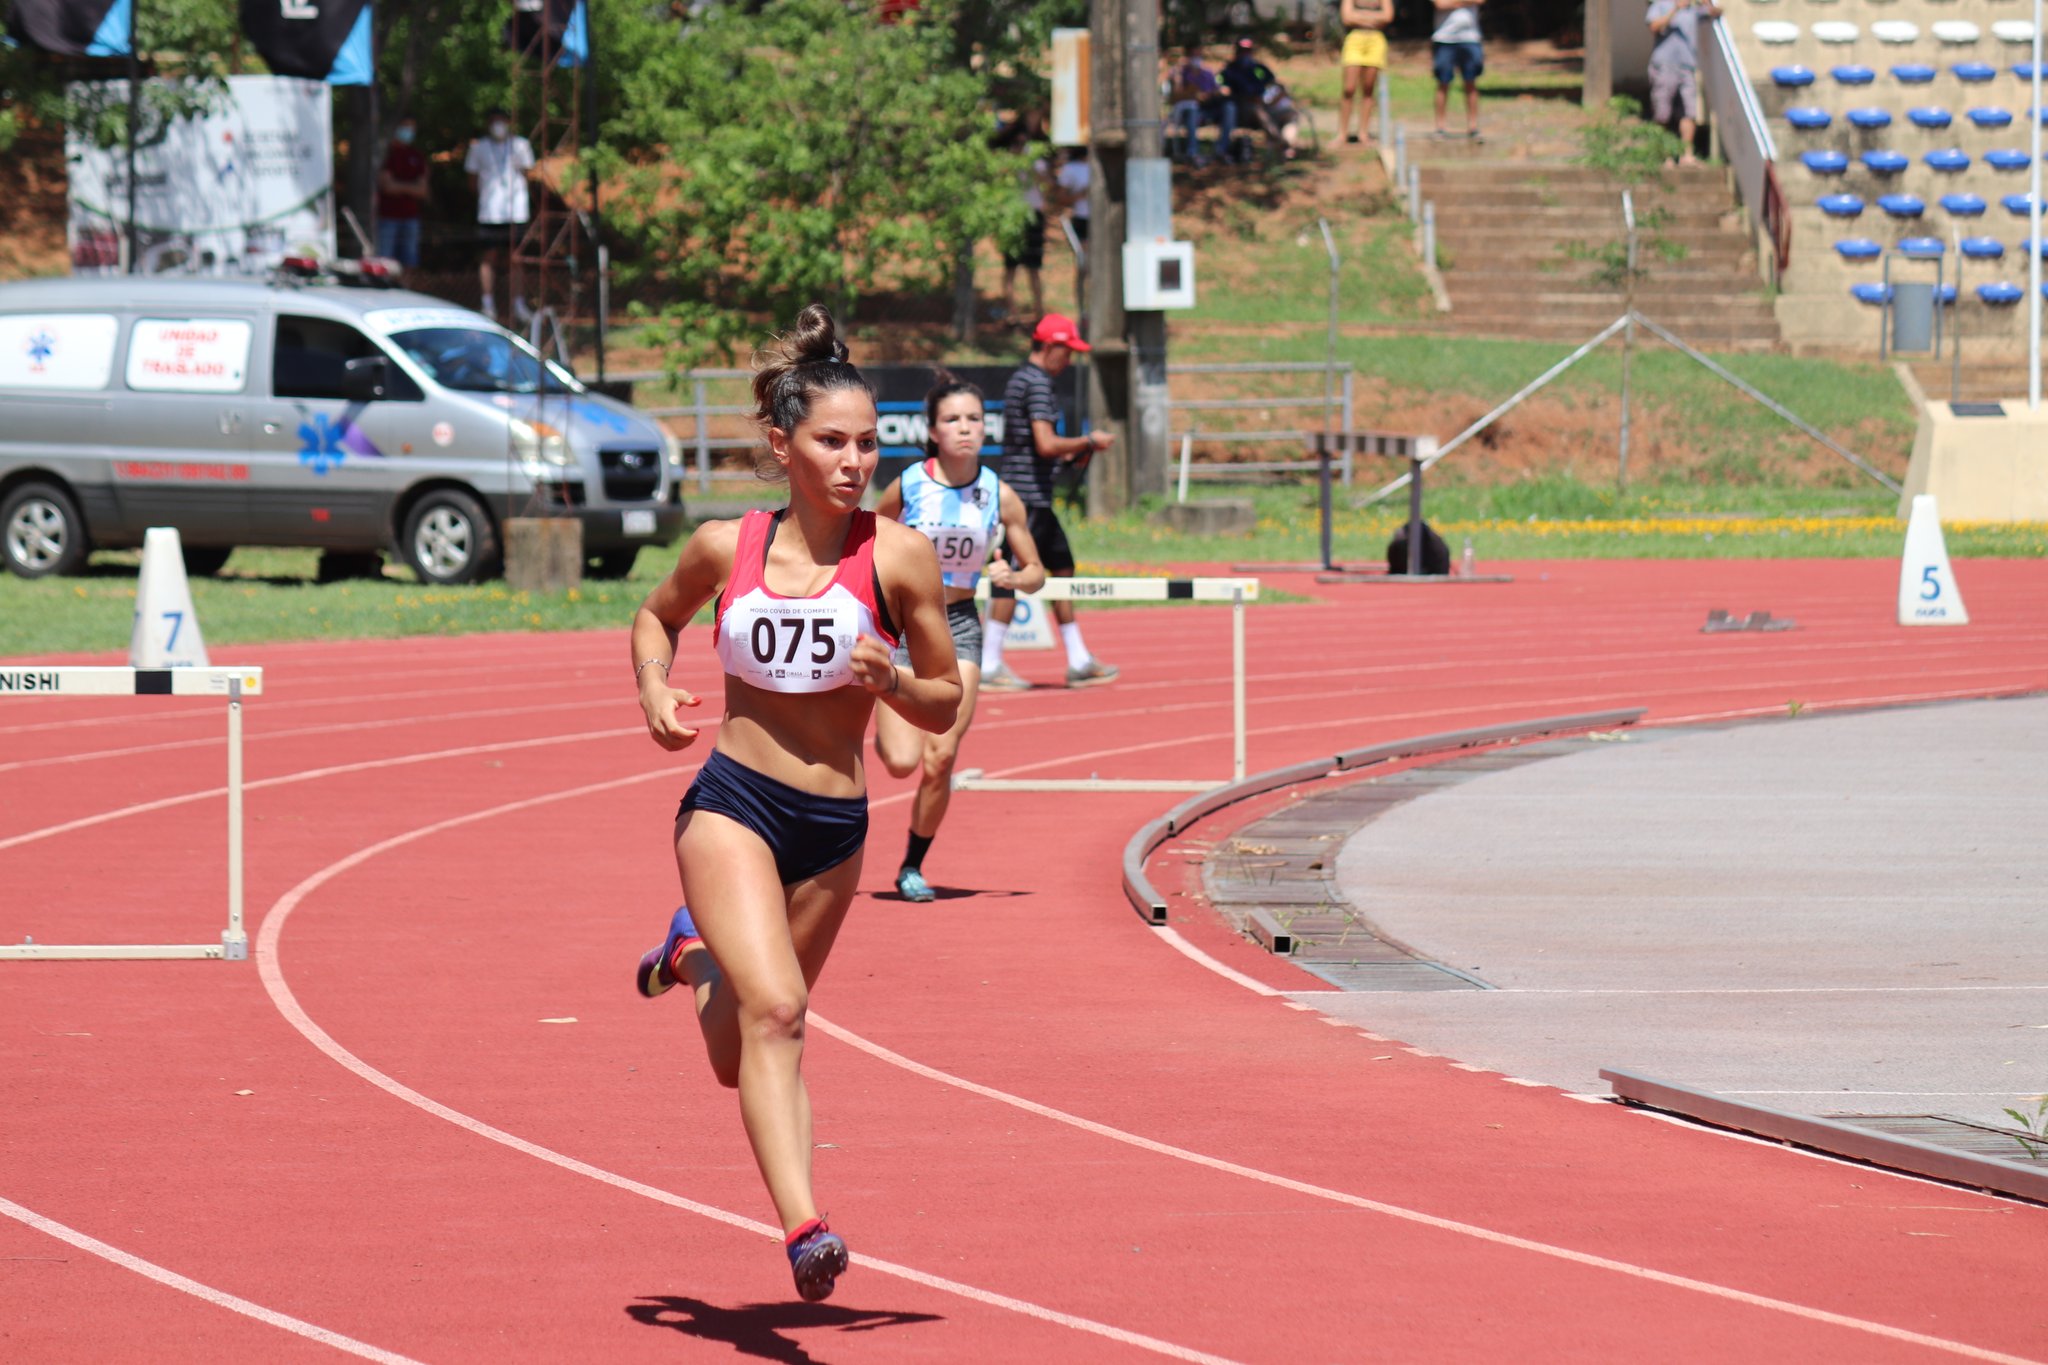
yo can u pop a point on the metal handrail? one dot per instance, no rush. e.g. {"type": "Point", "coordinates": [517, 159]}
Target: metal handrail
{"type": "Point", "coordinates": [1744, 132]}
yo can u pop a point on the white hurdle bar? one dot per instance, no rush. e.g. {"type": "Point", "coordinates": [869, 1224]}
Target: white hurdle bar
{"type": "Point", "coordinates": [232, 683]}
{"type": "Point", "coordinates": [1236, 591]}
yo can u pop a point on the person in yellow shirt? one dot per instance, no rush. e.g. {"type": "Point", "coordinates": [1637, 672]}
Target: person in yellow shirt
{"type": "Point", "coordinates": [1365, 56]}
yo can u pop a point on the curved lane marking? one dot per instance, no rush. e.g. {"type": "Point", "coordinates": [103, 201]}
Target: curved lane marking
{"type": "Point", "coordinates": [272, 975]}
{"type": "Point", "coordinates": [218, 1297]}
{"type": "Point", "coordinates": [281, 995]}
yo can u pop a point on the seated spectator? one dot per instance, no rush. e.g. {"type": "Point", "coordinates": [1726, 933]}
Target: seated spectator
{"type": "Point", "coordinates": [1262, 100]}
{"type": "Point", "coordinates": [1199, 98]}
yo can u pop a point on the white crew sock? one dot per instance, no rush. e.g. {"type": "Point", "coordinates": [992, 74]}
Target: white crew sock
{"type": "Point", "coordinates": [489, 308]}
{"type": "Point", "coordinates": [992, 633]}
{"type": "Point", "coordinates": [1077, 652]}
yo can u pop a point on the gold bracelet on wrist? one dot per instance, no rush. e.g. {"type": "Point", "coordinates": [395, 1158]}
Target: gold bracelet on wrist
{"type": "Point", "coordinates": [644, 662]}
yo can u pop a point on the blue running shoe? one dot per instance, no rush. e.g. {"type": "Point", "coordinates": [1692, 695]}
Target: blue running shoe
{"type": "Point", "coordinates": [913, 887]}
{"type": "Point", "coordinates": [657, 971]}
{"type": "Point", "coordinates": [817, 1257]}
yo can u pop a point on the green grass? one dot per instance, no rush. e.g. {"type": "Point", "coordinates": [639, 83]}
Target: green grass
{"type": "Point", "coordinates": [1282, 276]}
{"type": "Point", "coordinates": [268, 595]}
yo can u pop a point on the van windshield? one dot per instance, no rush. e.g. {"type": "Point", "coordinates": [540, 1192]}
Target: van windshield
{"type": "Point", "coordinates": [476, 361]}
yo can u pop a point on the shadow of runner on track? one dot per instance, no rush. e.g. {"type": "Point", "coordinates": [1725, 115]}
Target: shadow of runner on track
{"type": "Point", "coordinates": [946, 893]}
{"type": "Point", "coordinates": [756, 1329]}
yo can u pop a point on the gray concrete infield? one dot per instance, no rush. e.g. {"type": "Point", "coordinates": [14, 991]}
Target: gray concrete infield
{"type": "Point", "coordinates": [1829, 915]}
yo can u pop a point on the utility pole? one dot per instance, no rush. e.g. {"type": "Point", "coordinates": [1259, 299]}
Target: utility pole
{"type": "Point", "coordinates": [1129, 194]}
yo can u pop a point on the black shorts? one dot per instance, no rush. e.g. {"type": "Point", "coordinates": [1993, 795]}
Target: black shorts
{"type": "Point", "coordinates": [1032, 255]}
{"type": "Point", "coordinates": [808, 834]}
{"type": "Point", "coordinates": [1050, 538]}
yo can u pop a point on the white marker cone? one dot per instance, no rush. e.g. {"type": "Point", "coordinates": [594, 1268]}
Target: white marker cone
{"type": "Point", "coordinates": [166, 633]}
{"type": "Point", "coordinates": [1032, 626]}
{"type": "Point", "coordinates": [1928, 595]}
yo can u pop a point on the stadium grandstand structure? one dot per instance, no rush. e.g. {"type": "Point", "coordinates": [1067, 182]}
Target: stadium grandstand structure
{"type": "Point", "coordinates": [1903, 154]}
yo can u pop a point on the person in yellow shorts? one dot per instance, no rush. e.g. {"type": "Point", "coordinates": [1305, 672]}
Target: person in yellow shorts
{"type": "Point", "coordinates": [1365, 56]}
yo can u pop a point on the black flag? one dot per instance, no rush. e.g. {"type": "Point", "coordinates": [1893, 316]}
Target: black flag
{"type": "Point", "coordinates": [321, 40]}
{"type": "Point", "coordinates": [72, 28]}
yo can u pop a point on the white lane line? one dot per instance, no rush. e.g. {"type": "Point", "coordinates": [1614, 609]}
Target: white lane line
{"type": "Point", "coordinates": [1752, 990]}
{"type": "Point", "coordinates": [218, 1297]}
{"type": "Point", "coordinates": [287, 1004]}
{"type": "Point", "coordinates": [1171, 937]}
{"type": "Point", "coordinates": [272, 974]}
{"type": "Point", "coordinates": [1413, 1216]}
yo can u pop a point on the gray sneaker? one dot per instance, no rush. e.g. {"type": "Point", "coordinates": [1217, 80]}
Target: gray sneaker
{"type": "Point", "coordinates": [1091, 674]}
{"type": "Point", "coordinates": [1003, 680]}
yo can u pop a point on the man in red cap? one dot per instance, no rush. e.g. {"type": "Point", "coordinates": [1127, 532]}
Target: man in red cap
{"type": "Point", "coordinates": [1033, 450]}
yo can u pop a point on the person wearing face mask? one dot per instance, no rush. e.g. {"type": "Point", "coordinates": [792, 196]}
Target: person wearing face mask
{"type": "Point", "coordinates": [497, 166]}
{"type": "Point", "coordinates": [401, 195]}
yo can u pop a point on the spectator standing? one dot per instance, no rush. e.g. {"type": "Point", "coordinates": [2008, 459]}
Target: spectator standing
{"type": "Point", "coordinates": [498, 164]}
{"type": "Point", "coordinates": [1455, 52]}
{"type": "Point", "coordinates": [1073, 180]}
{"type": "Point", "coordinates": [1026, 134]}
{"type": "Point", "coordinates": [402, 196]}
{"type": "Point", "coordinates": [1365, 56]}
{"type": "Point", "coordinates": [1198, 98]}
{"type": "Point", "coordinates": [1033, 450]}
{"type": "Point", "coordinates": [1675, 65]}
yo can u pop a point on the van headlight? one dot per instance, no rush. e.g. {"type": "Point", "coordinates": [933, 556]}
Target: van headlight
{"type": "Point", "coordinates": [542, 450]}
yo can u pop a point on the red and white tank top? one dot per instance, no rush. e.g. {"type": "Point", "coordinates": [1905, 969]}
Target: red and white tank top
{"type": "Point", "coordinates": [799, 644]}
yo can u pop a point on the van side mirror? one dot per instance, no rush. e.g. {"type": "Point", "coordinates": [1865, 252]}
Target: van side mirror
{"type": "Point", "coordinates": [364, 379]}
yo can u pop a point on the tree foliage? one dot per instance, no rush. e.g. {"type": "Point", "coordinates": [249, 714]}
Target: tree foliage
{"type": "Point", "coordinates": [804, 152]}
{"type": "Point", "coordinates": [186, 40]}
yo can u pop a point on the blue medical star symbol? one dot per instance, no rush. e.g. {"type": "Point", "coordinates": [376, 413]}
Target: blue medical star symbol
{"type": "Point", "coordinates": [41, 347]}
{"type": "Point", "coordinates": [599, 415]}
{"type": "Point", "coordinates": [320, 443]}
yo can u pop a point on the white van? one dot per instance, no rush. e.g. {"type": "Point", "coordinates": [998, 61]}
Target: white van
{"type": "Point", "coordinates": [264, 413]}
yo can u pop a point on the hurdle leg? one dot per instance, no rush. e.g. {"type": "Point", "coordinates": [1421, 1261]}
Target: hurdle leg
{"type": "Point", "coordinates": [1237, 680]}
{"type": "Point", "coordinates": [234, 943]}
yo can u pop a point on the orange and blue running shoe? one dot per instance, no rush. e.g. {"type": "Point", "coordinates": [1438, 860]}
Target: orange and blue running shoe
{"type": "Point", "coordinates": [817, 1257]}
{"type": "Point", "coordinates": [660, 967]}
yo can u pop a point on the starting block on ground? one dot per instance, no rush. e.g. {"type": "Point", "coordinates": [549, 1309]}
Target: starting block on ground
{"type": "Point", "coordinates": [1236, 591]}
{"type": "Point", "coordinates": [231, 683]}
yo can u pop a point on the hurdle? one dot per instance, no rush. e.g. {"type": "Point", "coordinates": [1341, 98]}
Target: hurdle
{"type": "Point", "coordinates": [1236, 591]}
{"type": "Point", "coordinates": [232, 683]}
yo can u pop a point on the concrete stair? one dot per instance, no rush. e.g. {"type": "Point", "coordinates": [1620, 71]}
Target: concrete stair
{"type": "Point", "coordinates": [1512, 238]}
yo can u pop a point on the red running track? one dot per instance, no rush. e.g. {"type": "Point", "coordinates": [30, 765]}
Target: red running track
{"type": "Point", "coordinates": [432, 1121]}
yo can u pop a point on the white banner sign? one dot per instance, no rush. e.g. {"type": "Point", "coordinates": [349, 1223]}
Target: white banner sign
{"type": "Point", "coordinates": [231, 193]}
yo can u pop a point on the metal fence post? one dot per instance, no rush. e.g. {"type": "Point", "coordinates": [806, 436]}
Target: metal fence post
{"type": "Point", "coordinates": [1350, 423]}
{"type": "Point", "coordinates": [703, 439]}
{"type": "Point", "coordinates": [1429, 234]}
{"type": "Point", "coordinates": [1415, 194]}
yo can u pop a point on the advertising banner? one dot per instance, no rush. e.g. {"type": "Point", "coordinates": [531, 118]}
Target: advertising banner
{"type": "Point", "coordinates": [72, 28]}
{"type": "Point", "coordinates": [231, 193]}
{"type": "Point", "coordinates": [322, 40]}
{"type": "Point", "coordinates": [899, 409]}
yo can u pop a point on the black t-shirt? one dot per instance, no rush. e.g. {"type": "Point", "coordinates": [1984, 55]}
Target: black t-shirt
{"type": "Point", "coordinates": [1027, 398]}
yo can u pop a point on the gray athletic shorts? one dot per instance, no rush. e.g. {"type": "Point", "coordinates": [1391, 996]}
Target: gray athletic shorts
{"type": "Point", "coordinates": [1669, 83]}
{"type": "Point", "coordinates": [964, 619]}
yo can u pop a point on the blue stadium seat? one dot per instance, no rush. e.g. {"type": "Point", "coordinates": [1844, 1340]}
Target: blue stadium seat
{"type": "Point", "coordinates": [1791, 77]}
{"type": "Point", "coordinates": [2018, 205]}
{"type": "Point", "coordinates": [1930, 117]}
{"type": "Point", "coordinates": [1963, 205]}
{"type": "Point", "coordinates": [1858, 249]}
{"type": "Point", "coordinates": [2035, 246]}
{"type": "Point", "coordinates": [2000, 294]}
{"type": "Point", "coordinates": [1825, 162]}
{"type": "Point", "coordinates": [1870, 118]}
{"type": "Point", "coordinates": [2025, 71]}
{"type": "Point", "coordinates": [1912, 73]}
{"type": "Point", "coordinates": [1901, 205]}
{"type": "Point", "coordinates": [1948, 294]}
{"type": "Point", "coordinates": [1983, 248]}
{"type": "Point", "coordinates": [1885, 162]}
{"type": "Point", "coordinates": [1974, 73]}
{"type": "Point", "coordinates": [1991, 118]}
{"type": "Point", "coordinates": [1841, 205]}
{"type": "Point", "coordinates": [1808, 118]}
{"type": "Point", "coordinates": [1852, 75]}
{"type": "Point", "coordinates": [2006, 159]}
{"type": "Point", "coordinates": [1922, 248]}
{"type": "Point", "coordinates": [1948, 159]}
{"type": "Point", "coordinates": [1871, 293]}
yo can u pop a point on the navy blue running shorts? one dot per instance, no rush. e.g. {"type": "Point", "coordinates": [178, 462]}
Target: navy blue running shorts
{"type": "Point", "coordinates": [807, 833]}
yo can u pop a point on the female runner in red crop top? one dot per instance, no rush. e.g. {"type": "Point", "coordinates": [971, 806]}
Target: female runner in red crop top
{"type": "Point", "coordinates": [768, 842]}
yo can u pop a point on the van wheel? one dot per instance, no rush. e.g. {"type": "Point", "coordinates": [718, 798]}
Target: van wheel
{"type": "Point", "coordinates": [203, 561]}
{"type": "Point", "coordinates": [449, 539]}
{"type": "Point", "coordinates": [612, 563]}
{"type": "Point", "coordinates": [42, 532]}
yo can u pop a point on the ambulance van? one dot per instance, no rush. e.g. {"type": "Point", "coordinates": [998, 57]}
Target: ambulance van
{"type": "Point", "coordinates": [265, 413]}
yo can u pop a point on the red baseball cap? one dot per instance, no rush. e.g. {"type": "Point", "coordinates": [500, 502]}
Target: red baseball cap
{"type": "Point", "coordinates": [1057, 329]}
